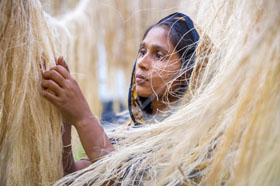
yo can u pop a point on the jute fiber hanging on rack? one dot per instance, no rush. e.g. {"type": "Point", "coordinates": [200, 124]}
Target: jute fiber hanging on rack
{"type": "Point", "coordinates": [227, 132]}
{"type": "Point", "coordinates": [30, 127]}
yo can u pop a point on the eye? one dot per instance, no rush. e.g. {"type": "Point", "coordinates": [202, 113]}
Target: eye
{"type": "Point", "coordinates": [141, 52]}
{"type": "Point", "coordinates": [160, 56]}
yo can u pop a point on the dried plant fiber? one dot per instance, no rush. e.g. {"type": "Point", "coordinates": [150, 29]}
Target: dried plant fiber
{"type": "Point", "coordinates": [229, 130]}
{"type": "Point", "coordinates": [30, 127]}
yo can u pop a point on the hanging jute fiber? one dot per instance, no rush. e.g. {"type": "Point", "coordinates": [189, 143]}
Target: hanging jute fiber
{"type": "Point", "coordinates": [225, 132]}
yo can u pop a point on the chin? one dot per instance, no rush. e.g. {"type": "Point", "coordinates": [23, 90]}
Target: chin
{"type": "Point", "coordinates": [143, 92]}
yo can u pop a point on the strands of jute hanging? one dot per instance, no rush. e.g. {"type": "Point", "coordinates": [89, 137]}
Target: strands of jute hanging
{"type": "Point", "coordinates": [30, 128]}
{"type": "Point", "coordinates": [228, 133]}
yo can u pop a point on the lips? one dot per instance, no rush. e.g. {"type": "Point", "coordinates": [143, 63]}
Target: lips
{"type": "Point", "coordinates": [140, 79]}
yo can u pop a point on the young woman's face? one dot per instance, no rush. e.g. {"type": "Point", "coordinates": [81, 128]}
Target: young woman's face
{"type": "Point", "coordinates": [157, 63]}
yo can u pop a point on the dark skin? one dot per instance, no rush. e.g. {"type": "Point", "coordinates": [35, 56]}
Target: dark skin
{"type": "Point", "coordinates": [157, 65]}
{"type": "Point", "coordinates": [62, 90]}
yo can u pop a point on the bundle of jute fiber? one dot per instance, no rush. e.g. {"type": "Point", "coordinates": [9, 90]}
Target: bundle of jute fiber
{"type": "Point", "coordinates": [30, 127]}
{"type": "Point", "coordinates": [227, 134]}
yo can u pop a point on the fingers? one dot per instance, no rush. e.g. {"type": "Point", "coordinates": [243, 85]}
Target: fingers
{"type": "Point", "coordinates": [62, 71]}
{"type": "Point", "coordinates": [54, 80]}
{"type": "Point", "coordinates": [42, 64]}
{"type": "Point", "coordinates": [49, 96]}
{"type": "Point", "coordinates": [55, 76]}
{"type": "Point", "coordinates": [62, 62]}
{"type": "Point", "coordinates": [56, 61]}
{"type": "Point", "coordinates": [52, 86]}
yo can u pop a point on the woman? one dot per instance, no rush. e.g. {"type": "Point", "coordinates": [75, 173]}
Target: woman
{"type": "Point", "coordinates": [159, 79]}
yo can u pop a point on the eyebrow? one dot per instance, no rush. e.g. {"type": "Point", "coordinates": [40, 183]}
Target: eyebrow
{"type": "Point", "coordinates": [157, 47]}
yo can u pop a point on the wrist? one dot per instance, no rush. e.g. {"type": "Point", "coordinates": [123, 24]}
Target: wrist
{"type": "Point", "coordinates": [85, 122]}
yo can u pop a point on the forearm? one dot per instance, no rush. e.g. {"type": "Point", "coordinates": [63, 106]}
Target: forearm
{"type": "Point", "coordinates": [69, 165]}
{"type": "Point", "coordinates": [67, 155]}
{"type": "Point", "coordinates": [93, 138]}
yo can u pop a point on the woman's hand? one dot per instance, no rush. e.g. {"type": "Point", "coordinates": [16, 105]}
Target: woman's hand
{"type": "Point", "coordinates": [62, 90]}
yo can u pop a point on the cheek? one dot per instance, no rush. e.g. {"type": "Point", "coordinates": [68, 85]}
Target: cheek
{"type": "Point", "coordinates": [163, 77]}
{"type": "Point", "coordinates": [164, 73]}
{"type": "Point", "coordinates": [160, 81]}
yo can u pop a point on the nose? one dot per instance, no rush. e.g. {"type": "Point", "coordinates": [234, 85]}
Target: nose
{"type": "Point", "coordinates": [144, 62]}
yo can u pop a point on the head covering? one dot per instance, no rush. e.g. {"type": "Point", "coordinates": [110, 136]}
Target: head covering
{"type": "Point", "coordinates": [187, 38]}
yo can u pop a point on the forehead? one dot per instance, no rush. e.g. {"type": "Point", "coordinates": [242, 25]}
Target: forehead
{"type": "Point", "coordinates": [158, 36]}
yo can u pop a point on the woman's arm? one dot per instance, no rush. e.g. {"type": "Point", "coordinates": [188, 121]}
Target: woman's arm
{"type": "Point", "coordinates": [69, 164]}
{"type": "Point", "coordinates": [63, 91]}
